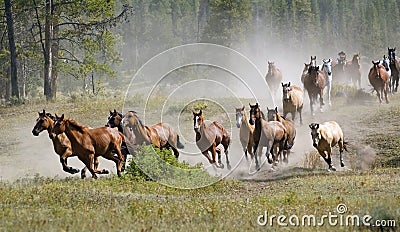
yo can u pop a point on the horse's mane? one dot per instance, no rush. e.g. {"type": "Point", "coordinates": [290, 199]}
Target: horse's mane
{"type": "Point", "coordinates": [74, 124]}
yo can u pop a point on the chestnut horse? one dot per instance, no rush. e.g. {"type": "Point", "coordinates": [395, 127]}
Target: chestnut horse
{"type": "Point", "coordinates": [90, 143]}
{"type": "Point", "coordinates": [378, 77]}
{"type": "Point", "coordinates": [395, 68]}
{"type": "Point", "coordinates": [273, 77]}
{"type": "Point", "coordinates": [353, 70]}
{"type": "Point", "coordinates": [161, 135]}
{"type": "Point", "coordinates": [61, 144]}
{"type": "Point", "coordinates": [314, 83]}
{"type": "Point", "coordinates": [245, 132]}
{"type": "Point", "coordinates": [208, 137]}
{"type": "Point", "coordinates": [292, 99]}
{"type": "Point", "coordinates": [266, 134]}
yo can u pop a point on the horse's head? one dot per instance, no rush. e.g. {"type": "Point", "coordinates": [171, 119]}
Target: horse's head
{"type": "Point", "coordinates": [305, 69]}
{"type": "Point", "coordinates": [131, 120]}
{"type": "Point", "coordinates": [43, 122]}
{"type": "Point", "coordinates": [59, 126]}
{"type": "Point", "coordinates": [392, 54]}
{"type": "Point", "coordinates": [356, 58]}
{"type": "Point", "coordinates": [198, 120]}
{"type": "Point", "coordinates": [239, 116]}
{"type": "Point", "coordinates": [285, 91]}
{"type": "Point", "coordinates": [315, 135]}
{"type": "Point", "coordinates": [327, 66]}
{"type": "Point", "coordinates": [114, 119]}
{"type": "Point", "coordinates": [386, 63]}
{"type": "Point", "coordinates": [313, 73]}
{"type": "Point", "coordinates": [272, 114]}
{"type": "Point", "coordinates": [255, 113]}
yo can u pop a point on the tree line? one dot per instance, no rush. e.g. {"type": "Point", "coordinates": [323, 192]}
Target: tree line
{"type": "Point", "coordinates": [48, 42]}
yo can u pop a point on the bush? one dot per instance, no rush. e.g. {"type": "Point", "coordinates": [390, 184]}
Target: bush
{"type": "Point", "coordinates": [153, 164]}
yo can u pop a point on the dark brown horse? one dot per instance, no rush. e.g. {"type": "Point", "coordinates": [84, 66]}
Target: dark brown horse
{"type": "Point", "coordinates": [378, 77]}
{"type": "Point", "coordinates": [273, 115]}
{"type": "Point", "coordinates": [114, 120]}
{"type": "Point", "coordinates": [208, 137]}
{"type": "Point", "coordinates": [266, 134]}
{"type": "Point", "coordinates": [338, 71]}
{"type": "Point", "coordinates": [161, 135]}
{"type": "Point", "coordinates": [273, 77]}
{"type": "Point", "coordinates": [61, 144]}
{"type": "Point", "coordinates": [90, 143]}
{"type": "Point", "coordinates": [314, 83]}
{"type": "Point", "coordinates": [353, 70]}
{"type": "Point", "coordinates": [394, 64]}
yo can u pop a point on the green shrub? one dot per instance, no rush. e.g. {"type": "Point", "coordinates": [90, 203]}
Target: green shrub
{"type": "Point", "coordinates": [151, 163]}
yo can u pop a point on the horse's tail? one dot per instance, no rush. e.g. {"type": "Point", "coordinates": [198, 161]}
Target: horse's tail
{"type": "Point", "coordinates": [178, 143]}
{"type": "Point", "coordinates": [344, 145]}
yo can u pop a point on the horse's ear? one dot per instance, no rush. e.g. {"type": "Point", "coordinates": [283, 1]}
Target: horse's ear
{"type": "Point", "coordinates": [115, 111]}
{"type": "Point", "coordinates": [329, 60]}
{"type": "Point", "coordinates": [282, 84]}
{"type": "Point", "coordinates": [276, 109]}
{"type": "Point", "coordinates": [243, 108]}
{"type": "Point", "coordinates": [62, 117]}
{"type": "Point", "coordinates": [289, 84]}
{"type": "Point", "coordinates": [201, 112]}
{"type": "Point", "coordinates": [257, 104]}
{"type": "Point", "coordinates": [110, 112]}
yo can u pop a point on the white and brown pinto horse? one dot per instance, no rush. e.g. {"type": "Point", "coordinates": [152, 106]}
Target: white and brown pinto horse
{"type": "Point", "coordinates": [325, 136]}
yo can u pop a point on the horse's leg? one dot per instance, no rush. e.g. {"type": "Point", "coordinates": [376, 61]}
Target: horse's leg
{"type": "Point", "coordinates": [256, 155]}
{"type": "Point", "coordinates": [207, 155]}
{"type": "Point", "coordinates": [385, 92]}
{"type": "Point", "coordinates": [226, 147]}
{"type": "Point", "coordinates": [329, 92]}
{"type": "Point", "coordinates": [311, 103]}
{"type": "Point", "coordinates": [63, 161]}
{"type": "Point", "coordinates": [214, 152]}
{"type": "Point", "coordinates": [397, 82]}
{"type": "Point", "coordinates": [90, 165]}
{"type": "Point", "coordinates": [341, 145]}
{"type": "Point", "coordinates": [321, 100]}
{"type": "Point", "coordinates": [379, 94]}
{"type": "Point", "coordinates": [299, 111]}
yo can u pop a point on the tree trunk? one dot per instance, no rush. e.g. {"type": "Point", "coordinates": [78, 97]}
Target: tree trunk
{"type": "Point", "coordinates": [13, 50]}
{"type": "Point", "coordinates": [48, 55]}
{"type": "Point", "coordinates": [202, 19]}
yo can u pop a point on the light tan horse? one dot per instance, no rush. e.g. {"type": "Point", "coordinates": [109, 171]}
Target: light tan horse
{"type": "Point", "coordinates": [208, 137]}
{"type": "Point", "coordinates": [266, 134]}
{"type": "Point", "coordinates": [90, 143]}
{"type": "Point", "coordinates": [273, 77]}
{"type": "Point", "coordinates": [293, 100]}
{"type": "Point", "coordinates": [378, 77]}
{"type": "Point", "coordinates": [161, 135]}
{"type": "Point", "coordinates": [245, 132]}
{"type": "Point", "coordinates": [273, 115]}
{"type": "Point", "coordinates": [61, 143]}
{"type": "Point", "coordinates": [325, 136]}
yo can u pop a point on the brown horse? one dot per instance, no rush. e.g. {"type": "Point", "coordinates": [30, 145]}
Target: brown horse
{"type": "Point", "coordinates": [273, 77]}
{"type": "Point", "coordinates": [61, 144]}
{"type": "Point", "coordinates": [338, 71]}
{"type": "Point", "coordinates": [208, 137]}
{"type": "Point", "coordinates": [325, 136]}
{"type": "Point", "coordinates": [245, 132]}
{"type": "Point", "coordinates": [353, 70]}
{"type": "Point", "coordinates": [273, 115]}
{"type": "Point", "coordinates": [378, 77]}
{"type": "Point", "coordinates": [305, 71]}
{"type": "Point", "coordinates": [267, 134]}
{"type": "Point", "coordinates": [394, 64]}
{"type": "Point", "coordinates": [161, 135]}
{"type": "Point", "coordinates": [114, 120]}
{"type": "Point", "coordinates": [314, 83]}
{"type": "Point", "coordinates": [90, 143]}
{"type": "Point", "coordinates": [292, 98]}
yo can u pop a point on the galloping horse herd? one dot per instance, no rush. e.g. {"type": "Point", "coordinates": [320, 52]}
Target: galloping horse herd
{"type": "Point", "coordinates": [123, 134]}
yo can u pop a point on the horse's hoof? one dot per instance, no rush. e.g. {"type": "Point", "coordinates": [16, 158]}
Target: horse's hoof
{"type": "Point", "coordinates": [228, 166]}
{"type": "Point", "coordinates": [74, 170]}
{"type": "Point", "coordinates": [83, 174]}
{"type": "Point", "coordinates": [330, 104]}
{"type": "Point", "coordinates": [332, 168]}
{"type": "Point", "coordinates": [270, 161]}
{"type": "Point", "coordinates": [105, 171]}
{"type": "Point", "coordinates": [342, 165]}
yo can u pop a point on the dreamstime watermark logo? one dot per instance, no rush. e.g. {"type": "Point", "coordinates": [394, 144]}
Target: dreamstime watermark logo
{"type": "Point", "coordinates": [209, 76]}
{"type": "Point", "coordinates": [338, 218]}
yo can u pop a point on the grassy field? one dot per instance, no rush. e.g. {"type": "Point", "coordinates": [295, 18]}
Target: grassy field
{"type": "Point", "coordinates": [232, 204]}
